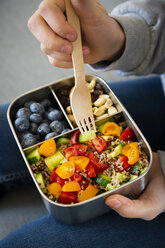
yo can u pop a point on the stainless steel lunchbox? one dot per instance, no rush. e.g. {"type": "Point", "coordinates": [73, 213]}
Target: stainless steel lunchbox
{"type": "Point", "coordinates": [84, 211]}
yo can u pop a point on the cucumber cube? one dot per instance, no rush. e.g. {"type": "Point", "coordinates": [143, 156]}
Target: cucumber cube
{"type": "Point", "coordinates": [34, 156]}
{"type": "Point", "coordinates": [54, 160]}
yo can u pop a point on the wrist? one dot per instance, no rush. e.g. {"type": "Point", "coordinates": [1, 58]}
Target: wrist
{"type": "Point", "coordinates": [116, 40]}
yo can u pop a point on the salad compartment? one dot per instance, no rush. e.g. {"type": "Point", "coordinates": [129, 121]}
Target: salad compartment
{"type": "Point", "coordinates": [93, 207]}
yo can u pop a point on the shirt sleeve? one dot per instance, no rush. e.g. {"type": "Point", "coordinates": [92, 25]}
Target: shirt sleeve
{"type": "Point", "coordinates": [143, 23]}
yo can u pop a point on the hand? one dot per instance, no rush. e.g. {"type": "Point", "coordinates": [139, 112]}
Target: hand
{"type": "Point", "coordinates": [102, 36]}
{"type": "Point", "coordinates": [150, 203]}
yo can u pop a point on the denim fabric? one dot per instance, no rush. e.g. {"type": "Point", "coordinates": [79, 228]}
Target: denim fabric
{"type": "Point", "coordinates": [107, 231]}
{"type": "Point", "coordinates": [13, 170]}
{"type": "Point", "coordinates": [144, 99]}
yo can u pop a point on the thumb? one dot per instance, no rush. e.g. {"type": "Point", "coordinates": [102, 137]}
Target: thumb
{"type": "Point", "coordinates": [141, 208]}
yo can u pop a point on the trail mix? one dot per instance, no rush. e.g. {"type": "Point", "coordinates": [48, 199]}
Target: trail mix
{"type": "Point", "coordinates": [102, 104]}
{"type": "Point", "coordinates": [75, 168]}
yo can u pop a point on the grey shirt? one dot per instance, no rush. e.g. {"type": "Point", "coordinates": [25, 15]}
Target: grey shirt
{"type": "Point", "coordinates": [144, 55]}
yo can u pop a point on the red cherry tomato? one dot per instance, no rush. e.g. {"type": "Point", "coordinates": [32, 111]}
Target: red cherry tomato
{"type": "Point", "coordinates": [99, 167]}
{"type": "Point", "coordinates": [76, 177]}
{"type": "Point", "coordinates": [67, 197]}
{"type": "Point", "coordinates": [75, 150]}
{"type": "Point", "coordinates": [84, 183]}
{"type": "Point", "coordinates": [75, 137]}
{"type": "Point", "coordinates": [122, 163]}
{"type": "Point", "coordinates": [81, 149]}
{"type": "Point", "coordinates": [55, 178]}
{"type": "Point", "coordinates": [99, 143]}
{"type": "Point", "coordinates": [70, 151]}
{"type": "Point", "coordinates": [127, 134]}
{"type": "Point", "coordinates": [90, 171]}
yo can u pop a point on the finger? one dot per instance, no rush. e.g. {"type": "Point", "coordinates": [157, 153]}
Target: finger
{"type": "Point", "coordinates": [140, 208]}
{"type": "Point", "coordinates": [53, 14]}
{"type": "Point", "coordinates": [56, 55]}
{"type": "Point", "coordinates": [46, 35]}
{"type": "Point", "coordinates": [59, 63]}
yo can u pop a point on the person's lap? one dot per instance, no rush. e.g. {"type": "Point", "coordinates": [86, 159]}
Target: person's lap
{"type": "Point", "coordinates": [144, 100]}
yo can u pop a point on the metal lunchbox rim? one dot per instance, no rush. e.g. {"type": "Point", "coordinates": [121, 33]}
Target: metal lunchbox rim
{"type": "Point", "coordinates": [103, 195]}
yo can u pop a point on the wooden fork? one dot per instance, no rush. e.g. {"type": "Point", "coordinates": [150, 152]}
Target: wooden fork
{"type": "Point", "coordinates": [80, 97]}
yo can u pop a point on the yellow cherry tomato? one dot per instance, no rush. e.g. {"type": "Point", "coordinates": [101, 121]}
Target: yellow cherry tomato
{"type": "Point", "coordinates": [81, 162]}
{"type": "Point", "coordinates": [54, 189]}
{"type": "Point", "coordinates": [131, 151]}
{"type": "Point", "coordinates": [48, 148]}
{"type": "Point", "coordinates": [111, 128]}
{"type": "Point", "coordinates": [71, 186]}
{"type": "Point", "coordinates": [66, 170]}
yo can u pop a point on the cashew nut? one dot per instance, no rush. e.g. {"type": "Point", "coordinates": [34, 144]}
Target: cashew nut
{"type": "Point", "coordinates": [72, 119]}
{"type": "Point", "coordinates": [100, 101]}
{"type": "Point", "coordinates": [94, 108]}
{"type": "Point", "coordinates": [108, 103]}
{"type": "Point", "coordinates": [69, 110]}
{"type": "Point", "coordinates": [118, 106]}
{"type": "Point", "coordinates": [112, 110]}
{"type": "Point", "coordinates": [102, 116]}
{"type": "Point", "coordinates": [92, 84]}
{"type": "Point", "coordinates": [104, 96]}
{"type": "Point", "coordinates": [99, 111]}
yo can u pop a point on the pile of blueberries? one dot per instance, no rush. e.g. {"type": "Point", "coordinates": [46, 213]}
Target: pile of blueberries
{"type": "Point", "coordinates": [36, 122]}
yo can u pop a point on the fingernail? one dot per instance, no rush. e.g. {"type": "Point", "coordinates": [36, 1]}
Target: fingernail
{"type": "Point", "coordinates": [66, 49]}
{"type": "Point", "coordinates": [113, 204]}
{"type": "Point", "coordinates": [70, 37]}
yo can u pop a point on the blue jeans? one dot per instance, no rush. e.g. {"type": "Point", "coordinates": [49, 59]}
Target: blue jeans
{"type": "Point", "coordinates": [145, 101]}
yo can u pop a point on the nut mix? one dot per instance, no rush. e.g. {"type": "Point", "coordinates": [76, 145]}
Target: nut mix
{"type": "Point", "coordinates": [102, 103]}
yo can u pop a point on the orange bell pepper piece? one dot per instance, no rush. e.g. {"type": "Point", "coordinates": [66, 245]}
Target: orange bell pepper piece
{"type": "Point", "coordinates": [66, 170]}
{"type": "Point", "coordinates": [111, 128]}
{"type": "Point", "coordinates": [81, 162]}
{"type": "Point", "coordinates": [71, 186]}
{"type": "Point", "coordinates": [54, 189]}
{"type": "Point", "coordinates": [131, 152]}
{"type": "Point", "coordinates": [88, 193]}
{"type": "Point", "coordinates": [48, 148]}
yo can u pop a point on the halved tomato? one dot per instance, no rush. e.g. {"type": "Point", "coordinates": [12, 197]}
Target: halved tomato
{"type": "Point", "coordinates": [99, 143]}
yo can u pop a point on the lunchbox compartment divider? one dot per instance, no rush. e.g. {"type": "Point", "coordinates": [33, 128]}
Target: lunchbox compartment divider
{"type": "Point", "coordinates": [61, 107]}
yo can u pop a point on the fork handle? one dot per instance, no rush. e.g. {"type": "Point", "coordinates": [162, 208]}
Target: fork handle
{"type": "Point", "coordinates": [77, 56]}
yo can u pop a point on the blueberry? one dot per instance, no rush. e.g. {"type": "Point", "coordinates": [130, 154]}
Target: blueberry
{"type": "Point", "coordinates": [33, 128]}
{"type": "Point", "coordinates": [37, 108]}
{"type": "Point", "coordinates": [28, 140]}
{"type": "Point", "coordinates": [56, 126]}
{"type": "Point", "coordinates": [27, 104]}
{"type": "Point", "coordinates": [36, 118]}
{"type": "Point", "coordinates": [66, 130]}
{"type": "Point", "coordinates": [46, 103]}
{"type": "Point", "coordinates": [22, 124]}
{"type": "Point", "coordinates": [55, 115]}
{"type": "Point", "coordinates": [38, 137]}
{"type": "Point", "coordinates": [46, 121]}
{"type": "Point", "coordinates": [65, 124]}
{"type": "Point", "coordinates": [50, 109]}
{"type": "Point", "coordinates": [43, 129]}
{"type": "Point", "coordinates": [23, 112]}
{"type": "Point", "coordinates": [51, 135]}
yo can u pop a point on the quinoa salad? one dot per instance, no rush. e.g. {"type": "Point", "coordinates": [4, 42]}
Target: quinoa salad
{"type": "Point", "coordinates": [74, 168]}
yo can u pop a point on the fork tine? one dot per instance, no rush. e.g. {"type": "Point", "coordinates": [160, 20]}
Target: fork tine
{"type": "Point", "coordinates": [93, 123]}
{"type": "Point", "coordinates": [83, 123]}
{"type": "Point", "coordinates": [88, 124]}
{"type": "Point", "coordinates": [80, 128]}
